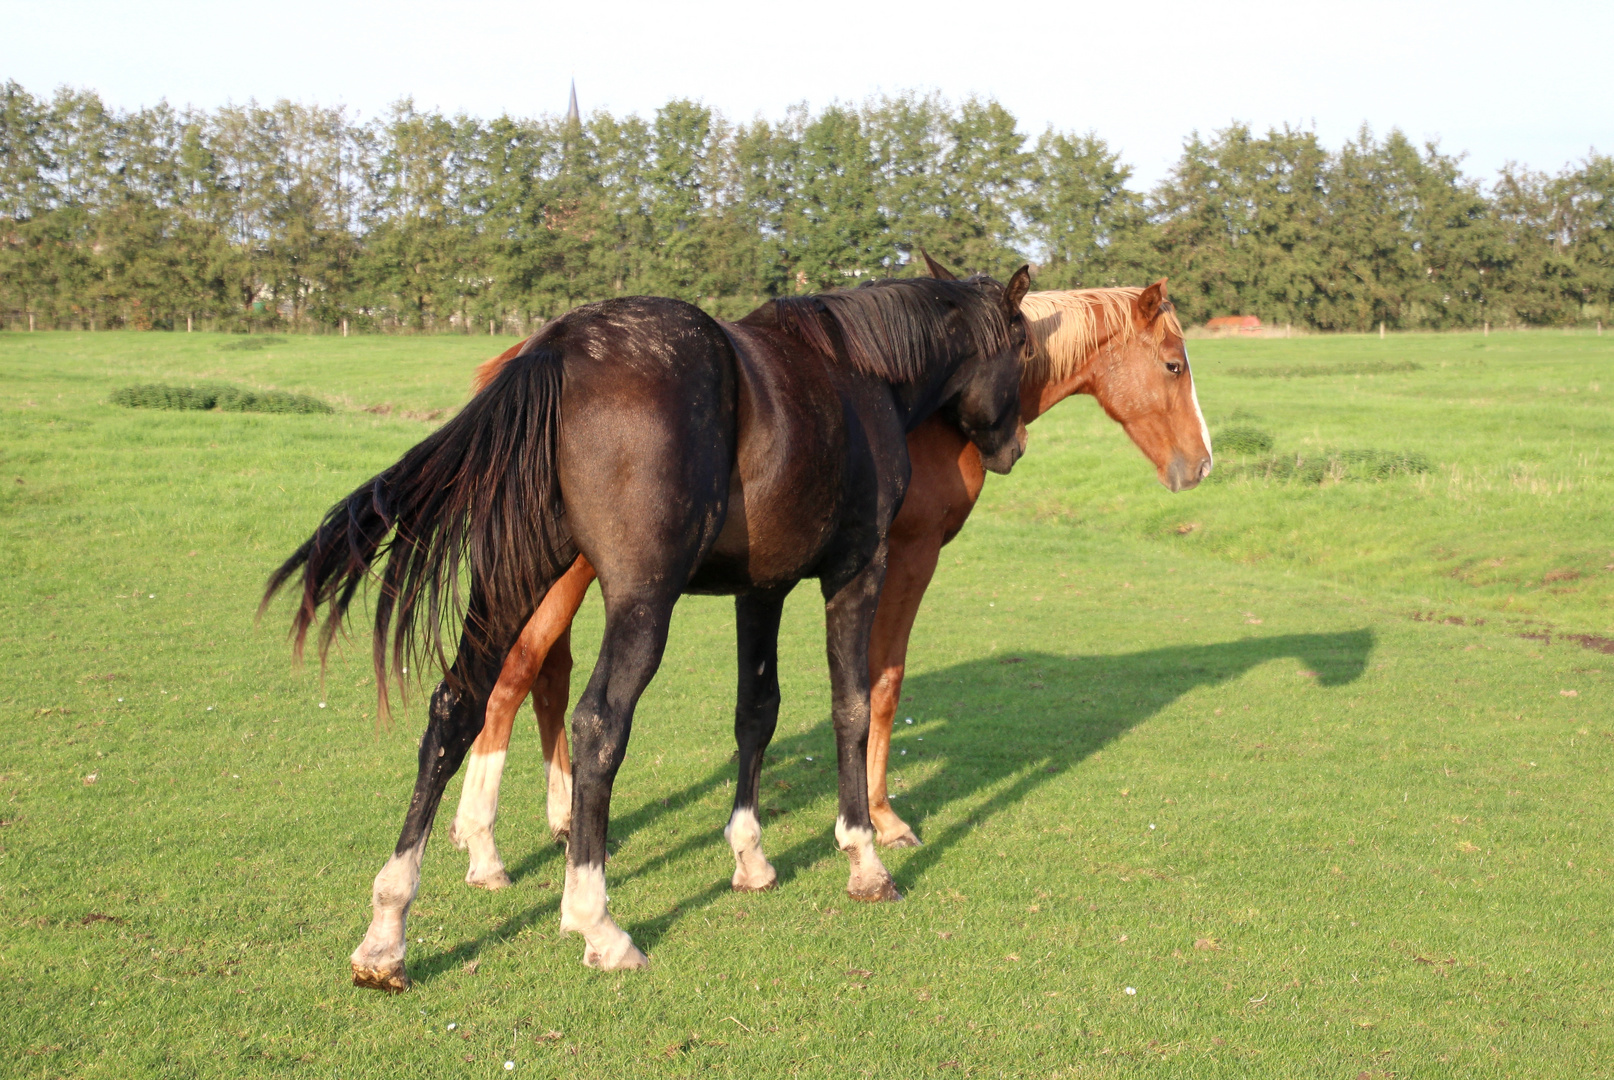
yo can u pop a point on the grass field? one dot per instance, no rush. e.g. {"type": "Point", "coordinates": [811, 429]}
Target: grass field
{"type": "Point", "coordinates": [1275, 778]}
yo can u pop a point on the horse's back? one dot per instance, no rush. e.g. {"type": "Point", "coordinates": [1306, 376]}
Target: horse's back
{"type": "Point", "coordinates": [806, 472]}
{"type": "Point", "coordinates": [647, 438]}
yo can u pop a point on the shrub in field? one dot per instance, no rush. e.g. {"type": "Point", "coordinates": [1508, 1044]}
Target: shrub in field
{"type": "Point", "coordinates": [1335, 465]}
{"type": "Point", "coordinates": [252, 343]}
{"type": "Point", "coordinates": [1312, 371]}
{"type": "Point", "coordinates": [219, 396]}
{"type": "Point", "coordinates": [1242, 439]}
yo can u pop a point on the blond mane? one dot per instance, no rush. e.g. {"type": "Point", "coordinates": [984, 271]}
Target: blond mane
{"type": "Point", "coordinates": [1066, 327]}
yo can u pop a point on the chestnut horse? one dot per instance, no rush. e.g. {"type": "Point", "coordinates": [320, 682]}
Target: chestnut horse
{"type": "Point", "coordinates": [1124, 346]}
{"type": "Point", "coordinates": [675, 454]}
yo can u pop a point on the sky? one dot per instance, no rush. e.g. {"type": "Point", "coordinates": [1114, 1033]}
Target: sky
{"type": "Point", "coordinates": [1531, 83]}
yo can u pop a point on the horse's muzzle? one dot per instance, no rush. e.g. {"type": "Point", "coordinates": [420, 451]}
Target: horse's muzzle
{"type": "Point", "coordinates": [1007, 454]}
{"type": "Point", "coordinates": [1182, 474]}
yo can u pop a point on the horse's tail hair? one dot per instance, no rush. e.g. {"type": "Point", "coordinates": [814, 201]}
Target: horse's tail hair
{"type": "Point", "coordinates": [479, 493]}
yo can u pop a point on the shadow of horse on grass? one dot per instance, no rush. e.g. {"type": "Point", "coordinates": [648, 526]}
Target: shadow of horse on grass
{"type": "Point", "coordinates": [1004, 726]}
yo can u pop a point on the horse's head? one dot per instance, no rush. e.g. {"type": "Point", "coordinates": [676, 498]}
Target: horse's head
{"type": "Point", "coordinates": [986, 404]}
{"type": "Point", "coordinates": [1142, 379]}
{"type": "Point", "coordinates": [1146, 384]}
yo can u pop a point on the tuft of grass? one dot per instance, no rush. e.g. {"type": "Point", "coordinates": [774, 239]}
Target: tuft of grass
{"type": "Point", "coordinates": [1334, 465]}
{"type": "Point", "coordinates": [1243, 439]}
{"type": "Point", "coordinates": [1314, 371]}
{"type": "Point", "coordinates": [251, 343]}
{"type": "Point", "coordinates": [220, 396]}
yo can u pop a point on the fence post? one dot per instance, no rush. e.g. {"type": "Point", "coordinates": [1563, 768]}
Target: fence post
{"type": "Point", "coordinates": [490, 328]}
{"type": "Point", "coordinates": [1381, 330]}
{"type": "Point", "coordinates": [1487, 330]}
{"type": "Point", "coordinates": [344, 327]}
{"type": "Point", "coordinates": [188, 324]}
{"type": "Point", "coordinates": [31, 324]}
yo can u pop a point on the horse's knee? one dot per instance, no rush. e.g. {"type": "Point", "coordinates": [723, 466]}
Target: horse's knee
{"type": "Point", "coordinates": [453, 723]}
{"type": "Point", "coordinates": [445, 699]}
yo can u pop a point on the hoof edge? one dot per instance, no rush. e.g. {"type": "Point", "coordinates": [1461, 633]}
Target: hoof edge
{"type": "Point", "coordinates": [387, 980]}
{"type": "Point", "coordinates": [883, 892]}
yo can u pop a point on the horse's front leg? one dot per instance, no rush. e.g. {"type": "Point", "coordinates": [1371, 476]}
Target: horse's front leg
{"type": "Point", "coordinates": [909, 570]}
{"type": "Point", "coordinates": [756, 715]}
{"type": "Point", "coordinates": [455, 718]}
{"type": "Point", "coordinates": [848, 617]}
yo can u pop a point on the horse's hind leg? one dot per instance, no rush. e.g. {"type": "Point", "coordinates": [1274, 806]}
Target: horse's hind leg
{"type": "Point", "coordinates": [550, 696]}
{"type": "Point", "coordinates": [635, 636]}
{"type": "Point", "coordinates": [455, 718]}
{"type": "Point", "coordinates": [472, 828]}
{"type": "Point", "coordinates": [756, 714]}
{"type": "Point", "coordinates": [540, 662]}
{"type": "Point", "coordinates": [848, 617]}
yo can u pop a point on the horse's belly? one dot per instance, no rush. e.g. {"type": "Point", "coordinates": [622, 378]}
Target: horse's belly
{"type": "Point", "coordinates": [770, 536]}
{"type": "Point", "coordinates": [788, 487]}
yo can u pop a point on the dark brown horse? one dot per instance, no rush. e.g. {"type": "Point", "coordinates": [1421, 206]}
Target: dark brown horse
{"type": "Point", "coordinates": [674, 454]}
{"type": "Point", "coordinates": [1123, 346]}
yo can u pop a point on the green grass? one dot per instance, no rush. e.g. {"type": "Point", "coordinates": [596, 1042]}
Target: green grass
{"type": "Point", "coordinates": [1296, 723]}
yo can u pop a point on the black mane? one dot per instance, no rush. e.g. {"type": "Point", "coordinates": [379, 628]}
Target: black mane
{"type": "Point", "coordinates": [890, 328]}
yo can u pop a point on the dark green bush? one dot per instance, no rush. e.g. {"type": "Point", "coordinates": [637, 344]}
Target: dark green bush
{"type": "Point", "coordinates": [219, 396]}
{"type": "Point", "coordinates": [1242, 439]}
{"type": "Point", "coordinates": [1337, 465]}
{"type": "Point", "coordinates": [1311, 371]}
{"type": "Point", "coordinates": [251, 343]}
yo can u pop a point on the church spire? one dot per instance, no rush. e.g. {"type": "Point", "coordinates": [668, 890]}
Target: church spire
{"type": "Point", "coordinates": [572, 115]}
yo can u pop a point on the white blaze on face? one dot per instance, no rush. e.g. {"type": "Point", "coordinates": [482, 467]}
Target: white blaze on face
{"type": "Point", "coordinates": [752, 871]}
{"type": "Point", "coordinates": [1193, 395]}
{"type": "Point", "coordinates": [583, 911]}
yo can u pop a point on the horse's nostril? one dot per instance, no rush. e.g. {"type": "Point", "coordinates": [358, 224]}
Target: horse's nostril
{"type": "Point", "coordinates": [1204, 468]}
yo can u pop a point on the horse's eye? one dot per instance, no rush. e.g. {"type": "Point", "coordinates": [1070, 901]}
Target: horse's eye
{"type": "Point", "coordinates": [1174, 367]}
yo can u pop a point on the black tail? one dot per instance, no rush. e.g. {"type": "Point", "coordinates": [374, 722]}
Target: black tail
{"type": "Point", "coordinates": [481, 489]}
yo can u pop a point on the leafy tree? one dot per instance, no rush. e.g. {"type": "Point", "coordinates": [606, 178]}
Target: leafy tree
{"type": "Point", "coordinates": [296, 216]}
{"type": "Point", "coordinates": [837, 231]}
{"type": "Point", "coordinates": [1080, 215]}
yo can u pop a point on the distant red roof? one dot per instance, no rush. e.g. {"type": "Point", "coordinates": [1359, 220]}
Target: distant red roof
{"type": "Point", "coordinates": [1244, 323]}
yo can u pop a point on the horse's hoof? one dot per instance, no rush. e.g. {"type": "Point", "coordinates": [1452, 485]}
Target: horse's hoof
{"type": "Point", "coordinates": [878, 893]}
{"type": "Point", "coordinates": [491, 882]}
{"type": "Point", "coordinates": [742, 886]}
{"type": "Point", "coordinates": [905, 839]}
{"type": "Point", "coordinates": [388, 980]}
{"type": "Point", "coordinates": [632, 960]}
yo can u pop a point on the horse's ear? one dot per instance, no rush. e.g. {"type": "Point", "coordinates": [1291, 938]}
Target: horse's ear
{"type": "Point", "coordinates": [937, 270]}
{"type": "Point", "coordinates": [1015, 291]}
{"type": "Point", "coordinates": [1152, 301]}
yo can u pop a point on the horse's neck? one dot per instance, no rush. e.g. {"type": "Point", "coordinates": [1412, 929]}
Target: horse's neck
{"type": "Point", "coordinates": [916, 401]}
{"type": "Point", "coordinates": [1039, 395]}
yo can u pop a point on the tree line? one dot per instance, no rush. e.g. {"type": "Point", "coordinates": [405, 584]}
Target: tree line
{"type": "Point", "coordinates": [291, 216]}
